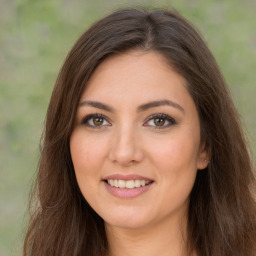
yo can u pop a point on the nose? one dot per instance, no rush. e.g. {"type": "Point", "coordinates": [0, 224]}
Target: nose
{"type": "Point", "coordinates": [126, 148]}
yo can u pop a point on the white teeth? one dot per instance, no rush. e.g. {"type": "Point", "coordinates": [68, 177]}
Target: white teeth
{"type": "Point", "coordinates": [128, 183]}
{"type": "Point", "coordinates": [121, 184]}
{"type": "Point", "coordinates": [137, 183]}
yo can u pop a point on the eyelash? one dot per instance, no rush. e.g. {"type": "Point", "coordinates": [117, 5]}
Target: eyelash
{"type": "Point", "coordinates": [152, 117]}
{"type": "Point", "coordinates": [90, 117]}
{"type": "Point", "coordinates": [161, 116]}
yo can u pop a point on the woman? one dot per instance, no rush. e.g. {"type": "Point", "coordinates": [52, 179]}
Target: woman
{"type": "Point", "coordinates": [143, 152]}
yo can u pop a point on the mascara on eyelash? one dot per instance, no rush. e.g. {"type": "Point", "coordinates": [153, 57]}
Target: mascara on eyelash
{"type": "Point", "coordinates": [171, 120]}
{"type": "Point", "coordinates": [164, 116]}
{"type": "Point", "coordinates": [88, 117]}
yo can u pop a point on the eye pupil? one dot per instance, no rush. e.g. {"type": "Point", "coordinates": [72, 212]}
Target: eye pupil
{"type": "Point", "coordinates": [97, 120]}
{"type": "Point", "coordinates": [159, 121]}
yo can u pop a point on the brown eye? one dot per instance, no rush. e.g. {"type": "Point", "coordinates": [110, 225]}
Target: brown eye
{"type": "Point", "coordinates": [159, 121]}
{"type": "Point", "coordinates": [97, 121]}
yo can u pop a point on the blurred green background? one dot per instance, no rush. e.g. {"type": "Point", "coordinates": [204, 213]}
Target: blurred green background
{"type": "Point", "coordinates": [36, 35]}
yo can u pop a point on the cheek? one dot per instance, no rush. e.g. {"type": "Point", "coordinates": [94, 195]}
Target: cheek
{"type": "Point", "coordinates": [176, 153]}
{"type": "Point", "coordinates": [175, 160]}
{"type": "Point", "coordinates": [83, 151]}
{"type": "Point", "coordinates": [87, 167]}
{"type": "Point", "coordinates": [176, 163]}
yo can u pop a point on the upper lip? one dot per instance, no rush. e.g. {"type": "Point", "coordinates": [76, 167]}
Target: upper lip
{"type": "Point", "coordinates": [126, 177]}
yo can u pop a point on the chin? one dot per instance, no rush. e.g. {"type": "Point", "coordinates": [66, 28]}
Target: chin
{"type": "Point", "coordinates": [131, 224]}
{"type": "Point", "coordinates": [127, 221]}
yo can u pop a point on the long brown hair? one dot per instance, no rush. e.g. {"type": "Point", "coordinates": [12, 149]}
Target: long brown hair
{"type": "Point", "coordinates": [222, 210]}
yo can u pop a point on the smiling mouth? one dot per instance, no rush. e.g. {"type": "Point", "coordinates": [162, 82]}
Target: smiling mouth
{"type": "Point", "coordinates": [128, 183]}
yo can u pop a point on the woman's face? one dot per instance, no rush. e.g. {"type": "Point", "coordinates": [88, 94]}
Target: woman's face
{"type": "Point", "coordinates": [136, 143]}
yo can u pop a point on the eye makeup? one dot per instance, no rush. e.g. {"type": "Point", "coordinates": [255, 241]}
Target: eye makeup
{"type": "Point", "coordinates": [155, 121]}
{"type": "Point", "coordinates": [160, 121]}
{"type": "Point", "coordinates": [95, 120]}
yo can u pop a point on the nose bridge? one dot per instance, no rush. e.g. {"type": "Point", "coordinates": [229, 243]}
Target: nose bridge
{"type": "Point", "coordinates": [125, 147]}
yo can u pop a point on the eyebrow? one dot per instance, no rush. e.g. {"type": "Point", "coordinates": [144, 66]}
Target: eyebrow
{"type": "Point", "coordinates": [140, 108]}
{"type": "Point", "coordinates": [158, 103]}
{"type": "Point", "coordinates": [96, 104]}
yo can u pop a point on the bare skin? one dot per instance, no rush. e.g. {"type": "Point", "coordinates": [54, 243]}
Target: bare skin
{"type": "Point", "coordinates": [167, 239]}
{"type": "Point", "coordinates": [137, 118]}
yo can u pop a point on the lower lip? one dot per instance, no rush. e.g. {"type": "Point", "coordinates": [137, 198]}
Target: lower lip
{"type": "Point", "coordinates": [127, 192]}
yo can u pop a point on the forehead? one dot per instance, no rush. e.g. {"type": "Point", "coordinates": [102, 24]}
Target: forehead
{"type": "Point", "coordinates": [135, 76]}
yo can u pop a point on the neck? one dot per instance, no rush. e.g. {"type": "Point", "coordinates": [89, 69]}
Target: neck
{"type": "Point", "coordinates": [167, 238]}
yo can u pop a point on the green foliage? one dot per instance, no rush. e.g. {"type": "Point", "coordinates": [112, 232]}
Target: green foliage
{"type": "Point", "coordinates": [35, 37]}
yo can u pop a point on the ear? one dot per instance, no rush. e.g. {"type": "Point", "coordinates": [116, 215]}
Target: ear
{"type": "Point", "coordinates": [203, 157]}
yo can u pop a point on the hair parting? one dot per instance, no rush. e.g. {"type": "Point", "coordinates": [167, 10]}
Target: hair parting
{"type": "Point", "coordinates": [222, 209]}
